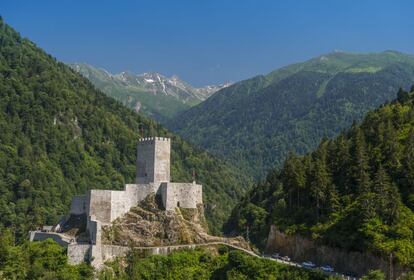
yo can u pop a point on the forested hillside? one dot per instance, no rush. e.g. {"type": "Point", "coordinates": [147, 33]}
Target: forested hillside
{"type": "Point", "coordinates": [255, 123]}
{"type": "Point", "coordinates": [59, 136]}
{"type": "Point", "coordinates": [354, 192]}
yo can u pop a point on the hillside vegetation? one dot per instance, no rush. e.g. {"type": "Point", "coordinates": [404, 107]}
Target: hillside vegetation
{"type": "Point", "coordinates": [37, 260]}
{"type": "Point", "coordinates": [255, 123]}
{"type": "Point", "coordinates": [203, 265]}
{"type": "Point", "coordinates": [354, 192]}
{"type": "Point", "coordinates": [60, 137]}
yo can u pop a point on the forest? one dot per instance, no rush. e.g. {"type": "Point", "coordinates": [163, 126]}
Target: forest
{"type": "Point", "coordinates": [358, 185]}
{"type": "Point", "coordinates": [255, 123]}
{"type": "Point", "coordinates": [60, 137]}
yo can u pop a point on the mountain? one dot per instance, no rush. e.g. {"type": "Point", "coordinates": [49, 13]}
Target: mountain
{"type": "Point", "coordinates": [354, 192]}
{"type": "Point", "coordinates": [153, 94]}
{"type": "Point", "coordinates": [60, 137]}
{"type": "Point", "coordinates": [256, 122]}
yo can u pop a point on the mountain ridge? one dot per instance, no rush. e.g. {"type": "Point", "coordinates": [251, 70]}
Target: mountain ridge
{"type": "Point", "coordinates": [256, 122]}
{"type": "Point", "coordinates": [151, 93]}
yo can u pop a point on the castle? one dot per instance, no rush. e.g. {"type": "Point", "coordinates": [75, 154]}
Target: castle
{"type": "Point", "coordinates": [153, 176]}
{"type": "Point", "coordinates": [101, 207]}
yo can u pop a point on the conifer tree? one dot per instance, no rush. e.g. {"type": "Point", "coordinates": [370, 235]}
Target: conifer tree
{"type": "Point", "coordinates": [360, 164]}
{"type": "Point", "coordinates": [387, 196]}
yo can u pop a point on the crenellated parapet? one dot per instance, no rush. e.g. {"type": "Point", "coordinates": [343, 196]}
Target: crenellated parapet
{"type": "Point", "coordinates": [152, 139]}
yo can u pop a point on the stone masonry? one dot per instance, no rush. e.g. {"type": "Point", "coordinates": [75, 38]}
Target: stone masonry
{"type": "Point", "coordinates": [101, 207]}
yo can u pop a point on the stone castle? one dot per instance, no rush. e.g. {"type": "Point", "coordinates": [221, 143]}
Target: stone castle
{"type": "Point", "coordinates": [153, 176]}
{"type": "Point", "coordinates": [101, 207]}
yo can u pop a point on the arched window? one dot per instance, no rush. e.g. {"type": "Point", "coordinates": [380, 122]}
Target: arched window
{"type": "Point", "coordinates": [178, 204]}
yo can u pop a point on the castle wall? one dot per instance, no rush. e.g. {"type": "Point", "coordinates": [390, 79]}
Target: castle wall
{"type": "Point", "coordinates": [121, 202]}
{"type": "Point", "coordinates": [99, 203]}
{"type": "Point", "coordinates": [40, 236]}
{"type": "Point", "coordinates": [141, 191]}
{"type": "Point", "coordinates": [78, 253]}
{"type": "Point", "coordinates": [106, 205]}
{"type": "Point", "coordinates": [94, 228]}
{"type": "Point", "coordinates": [109, 252]}
{"type": "Point", "coordinates": [184, 195]}
{"type": "Point", "coordinates": [78, 205]}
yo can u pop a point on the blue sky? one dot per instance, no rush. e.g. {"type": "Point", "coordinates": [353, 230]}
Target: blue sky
{"type": "Point", "coordinates": [210, 41]}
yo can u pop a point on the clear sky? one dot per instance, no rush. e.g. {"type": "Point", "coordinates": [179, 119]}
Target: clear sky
{"type": "Point", "coordinates": [209, 41]}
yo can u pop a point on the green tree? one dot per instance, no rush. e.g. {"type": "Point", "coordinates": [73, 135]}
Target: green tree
{"type": "Point", "coordinates": [374, 275]}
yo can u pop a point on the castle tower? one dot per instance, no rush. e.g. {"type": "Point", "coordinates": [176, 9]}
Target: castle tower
{"type": "Point", "coordinates": [153, 160]}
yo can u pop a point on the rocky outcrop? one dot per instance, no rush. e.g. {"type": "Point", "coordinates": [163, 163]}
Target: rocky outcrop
{"type": "Point", "coordinates": [300, 249]}
{"type": "Point", "coordinates": [148, 225]}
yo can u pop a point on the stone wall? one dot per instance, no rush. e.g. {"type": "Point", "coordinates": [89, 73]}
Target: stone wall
{"type": "Point", "coordinates": [123, 201]}
{"type": "Point", "coordinates": [162, 159]}
{"type": "Point", "coordinates": [302, 249]}
{"type": "Point", "coordinates": [94, 227]}
{"type": "Point", "coordinates": [78, 205]}
{"type": "Point", "coordinates": [78, 253]}
{"type": "Point", "coordinates": [40, 236]}
{"type": "Point", "coordinates": [99, 205]}
{"type": "Point", "coordinates": [184, 195]}
{"type": "Point", "coordinates": [109, 252]}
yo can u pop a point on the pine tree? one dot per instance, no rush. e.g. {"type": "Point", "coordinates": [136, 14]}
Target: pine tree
{"type": "Point", "coordinates": [408, 169]}
{"type": "Point", "coordinates": [320, 183]}
{"type": "Point", "coordinates": [387, 196]}
{"type": "Point", "coordinates": [360, 163]}
{"type": "Point", "coordinates": [391, 149]}
{"type": "Point", "coordinates": [402, 96]}
{"type": "Point", "coordinates": [294, 176]}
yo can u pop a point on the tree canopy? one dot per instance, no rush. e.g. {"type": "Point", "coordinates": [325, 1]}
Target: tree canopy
{"type": "Point", "coordinates": [353, 192]}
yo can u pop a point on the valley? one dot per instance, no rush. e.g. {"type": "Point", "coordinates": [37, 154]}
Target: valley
{"type": "Point", "coordinates": [302, 169]}
{"type": "Point", "coordinates": [256, 123]}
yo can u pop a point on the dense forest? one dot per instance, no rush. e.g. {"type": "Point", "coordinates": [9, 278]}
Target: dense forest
{"type": "Point", "coordinates": [255, 123]}
{"type": "Point", "coordinates": [358, 185]}
{"type": "Point", "coordinates": [60, 137]}
{"type": "Point", "coordinates": [201, 264]}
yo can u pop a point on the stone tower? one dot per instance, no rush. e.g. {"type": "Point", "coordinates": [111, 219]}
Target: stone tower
{"type": "Point", "coordinates": [153, 160]}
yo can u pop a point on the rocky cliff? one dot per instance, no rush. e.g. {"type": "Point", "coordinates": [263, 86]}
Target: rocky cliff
{"type": "Point", "coordinates": [148, 224]}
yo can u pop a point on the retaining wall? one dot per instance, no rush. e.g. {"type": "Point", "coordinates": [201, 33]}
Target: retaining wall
{"type": "Point", "coordinates": [301, 249]}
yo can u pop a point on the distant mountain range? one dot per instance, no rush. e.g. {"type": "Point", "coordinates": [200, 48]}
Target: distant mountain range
{"type": "Point", "coordinates": [153, 94]}
{"type": "Point", "coordinates": [256, 122]}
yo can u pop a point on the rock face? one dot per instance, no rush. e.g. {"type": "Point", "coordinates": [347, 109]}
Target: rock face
{"type": "Point", "coordinates": [301, 249]}
{"type": "Point", "coordinates": [148, 225]}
